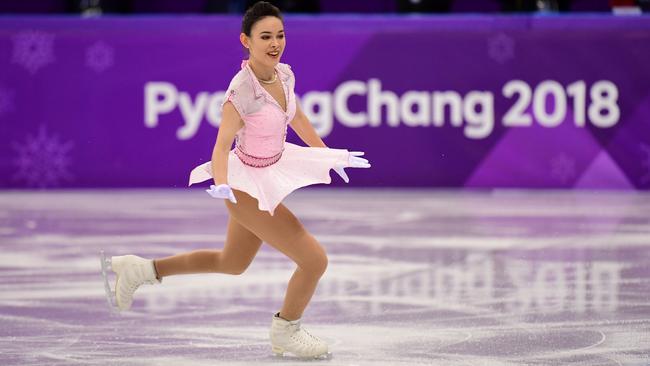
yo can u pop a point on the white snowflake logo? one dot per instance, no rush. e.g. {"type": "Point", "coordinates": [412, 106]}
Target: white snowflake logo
{"type": "Point", "coordinates": [33, 50]}
{"type": "Point", "coordinates": [99, 56]}
{"type": "Point", "coordinates": [6, 100]}
{"type": "Point", "coordinates": [646, 163]}
{"type": "Point", "coordinates": [42, 160]}
{"type": "Point", "coordinates": [501, 48]}
{"type": "Point", "coordinates": [563, 168]}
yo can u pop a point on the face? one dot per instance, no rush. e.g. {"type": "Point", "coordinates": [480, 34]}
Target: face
{"type": "Point", "coordinates": [266, 43]}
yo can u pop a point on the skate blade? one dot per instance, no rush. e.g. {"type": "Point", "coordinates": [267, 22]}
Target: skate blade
{"type": "Point", "coordinates": [110, 294]}
{"type": "Point", "coordinates": [287, 357]}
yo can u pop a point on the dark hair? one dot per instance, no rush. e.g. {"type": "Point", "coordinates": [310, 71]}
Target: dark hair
{"type": "Point", "coordinates": [256, 12]}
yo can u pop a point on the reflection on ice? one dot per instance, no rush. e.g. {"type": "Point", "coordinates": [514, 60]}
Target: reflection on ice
{"type": "Point", "coordinates": [479, 281]}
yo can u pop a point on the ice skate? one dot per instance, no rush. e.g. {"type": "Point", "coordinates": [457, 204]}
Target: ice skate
{"type": "Point", "coordinates": [290, 337]}
{"type": "Point", "coordinates": [132, 271]}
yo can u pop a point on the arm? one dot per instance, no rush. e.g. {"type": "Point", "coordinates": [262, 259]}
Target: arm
{"type": "Point", "coordinates": [305, 130]}
{"type": "Point", "coordinates": [307, 133]}
{"type": "Point", "coordinates": [231, 122]}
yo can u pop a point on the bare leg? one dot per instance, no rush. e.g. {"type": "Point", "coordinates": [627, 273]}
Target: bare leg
{"type": "Point", "coordinates": [285, 233]}
{"type": "Point", "coordinates": [237, 254]}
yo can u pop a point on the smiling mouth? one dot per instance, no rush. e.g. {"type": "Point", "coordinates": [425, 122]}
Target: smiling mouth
{"type": "Point", "coordinates": [274, 54]}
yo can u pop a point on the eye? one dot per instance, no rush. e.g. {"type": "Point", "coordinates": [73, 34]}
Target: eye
{"type": "Point", "coordinates": [265, 37]}
{"type": "Point", "coordinates": [281, 36]}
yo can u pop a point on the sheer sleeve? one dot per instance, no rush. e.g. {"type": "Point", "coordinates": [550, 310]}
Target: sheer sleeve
{"type": "Point", "coordinates": [241, 93]}
{"type": "Point", "coordinates": [233, 97]}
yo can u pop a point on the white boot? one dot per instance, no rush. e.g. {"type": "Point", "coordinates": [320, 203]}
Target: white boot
{"type": "Point", "coordinates": [132, 271]}
{"type": "Point", "coordinates": [289, 336]}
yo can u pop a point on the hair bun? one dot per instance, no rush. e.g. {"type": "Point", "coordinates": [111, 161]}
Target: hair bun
{"type": "Point", "coordinates": [259, 10]}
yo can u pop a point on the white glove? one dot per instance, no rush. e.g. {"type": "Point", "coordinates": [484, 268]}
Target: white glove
{"type": "Point", "coordinates": [222, 191]}
{"type": "Point", "coordinates": [354, 161]}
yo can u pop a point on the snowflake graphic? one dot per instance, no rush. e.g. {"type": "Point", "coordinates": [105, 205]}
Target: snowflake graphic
{"type": "Point", "coordinates": [501, 48]}
{"type": "Point", "coordinates": [33, 50]}
{"type": "Point", "coordinates": [563, 168]}
{"type": "Point", "coordinates": [646, 163]}
{"type": "Point", "coordinates": [42, 160]}
{"type": "Point", "coordinates": [99, 56]}
{"type": "Point", "coordinates": [6, 100]}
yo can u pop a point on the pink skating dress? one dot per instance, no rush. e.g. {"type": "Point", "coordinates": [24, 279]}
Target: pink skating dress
{"type": "Point", "coordinates": [262, 163]}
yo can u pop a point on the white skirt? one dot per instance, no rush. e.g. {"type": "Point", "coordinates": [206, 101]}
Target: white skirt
{"type": "Point", "coordinates": [298, 167]}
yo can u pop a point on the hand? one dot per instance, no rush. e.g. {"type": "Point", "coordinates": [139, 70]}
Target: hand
{"type": "Point", "coordinates": [222, 191]}
{"type": "Point", "coordinates": [354, 161]}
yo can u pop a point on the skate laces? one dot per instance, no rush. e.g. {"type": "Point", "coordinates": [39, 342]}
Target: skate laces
{"type": "Point", "coordinates": [299, 329]}
{"type": "Point", "coordinates": [140, 277]}
{"type": "Point", "coordinates": [311, 335]}
{"type": "Point", "coordinates": [304, 337]}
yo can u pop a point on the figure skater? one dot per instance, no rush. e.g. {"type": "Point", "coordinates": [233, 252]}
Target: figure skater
{"type": "Point", "coordinates": [253, 178]}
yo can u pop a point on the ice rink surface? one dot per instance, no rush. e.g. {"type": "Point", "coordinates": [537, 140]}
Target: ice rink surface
{"type": "Point", "coordinates": [416, 277]}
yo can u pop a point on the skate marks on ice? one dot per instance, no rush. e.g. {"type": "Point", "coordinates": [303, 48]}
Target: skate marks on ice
{"type": "Point", "coordinates": [415, 277]}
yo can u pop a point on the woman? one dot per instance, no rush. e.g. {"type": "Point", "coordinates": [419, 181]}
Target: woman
{"type": "Point", "coordinates": [253, 179]}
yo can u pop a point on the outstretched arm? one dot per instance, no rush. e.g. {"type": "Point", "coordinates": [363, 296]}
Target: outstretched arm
{"type": "Point", "coordinates": [231, 122]}
{"type": "Point", "coordinates": [305, 130]}
{"type": "Point", "coordinates": [307, 133]}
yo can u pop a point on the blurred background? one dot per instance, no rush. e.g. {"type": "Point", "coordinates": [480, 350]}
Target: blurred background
{"type": "Point", "coordinates": [314, 6]}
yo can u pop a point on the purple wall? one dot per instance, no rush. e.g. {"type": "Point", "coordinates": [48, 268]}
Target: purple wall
{"type": "Point", "coordinates": [479, 101]}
